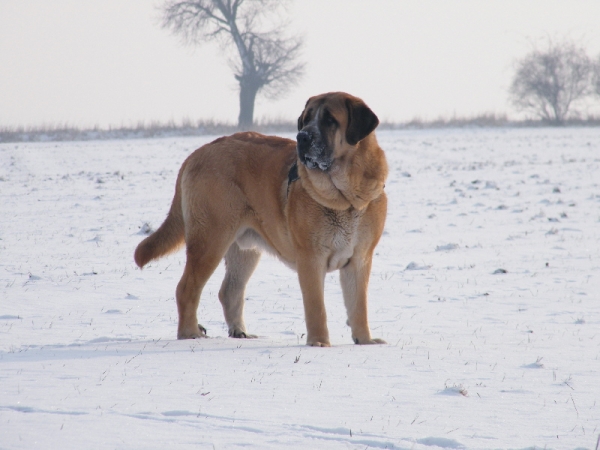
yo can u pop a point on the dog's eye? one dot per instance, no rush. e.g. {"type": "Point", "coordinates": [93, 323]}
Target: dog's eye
{"type": "Point", "coordinates": [329, 120]}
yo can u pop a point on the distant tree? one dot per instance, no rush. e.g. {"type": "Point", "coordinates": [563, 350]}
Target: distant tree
{"type": "Point", "coordinates": [547, 82]}
{"type": "Point", "coordinates": [265, 60]}
{"type": "Point", "coordinates": [596, 81]}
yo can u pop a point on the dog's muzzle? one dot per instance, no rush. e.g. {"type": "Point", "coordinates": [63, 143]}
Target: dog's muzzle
{"type": "Point", "coordinates": [311, 151]}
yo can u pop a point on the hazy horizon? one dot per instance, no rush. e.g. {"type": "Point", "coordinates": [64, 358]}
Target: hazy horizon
{"type": "Point", "coordinates": [109, 63]}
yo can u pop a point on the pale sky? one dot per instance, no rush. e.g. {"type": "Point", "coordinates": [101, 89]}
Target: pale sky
{"type": "Point", "coordinates": [108, 62]}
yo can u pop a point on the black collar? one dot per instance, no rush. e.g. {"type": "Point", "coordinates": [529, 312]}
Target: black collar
{"type": "Point", "coordinates": [292, 175]}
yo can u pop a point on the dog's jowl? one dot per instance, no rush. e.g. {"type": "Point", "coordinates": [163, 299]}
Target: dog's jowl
{"type": "Point", "coordinates": [317, 204]}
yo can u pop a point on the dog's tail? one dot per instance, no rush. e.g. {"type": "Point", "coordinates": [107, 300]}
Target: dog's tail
{"type": "Point", "coordinates": [169, 236]}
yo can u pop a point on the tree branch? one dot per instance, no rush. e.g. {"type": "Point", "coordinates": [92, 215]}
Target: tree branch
{"type": "Point", "coordinates": [265, 58]}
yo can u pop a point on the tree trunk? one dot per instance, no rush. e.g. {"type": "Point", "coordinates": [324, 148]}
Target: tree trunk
{"type": "Point", "coordinates": [248, 93]}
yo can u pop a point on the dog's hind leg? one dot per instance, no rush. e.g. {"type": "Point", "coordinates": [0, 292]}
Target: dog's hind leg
{"type": "Point", "coordinates": [239, 266]}
{"type": "Point", "coordinates": [203, 257]}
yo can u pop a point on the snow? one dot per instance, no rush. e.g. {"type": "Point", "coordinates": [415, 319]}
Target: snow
{"type": "Point", "coordinates": [485, 285]}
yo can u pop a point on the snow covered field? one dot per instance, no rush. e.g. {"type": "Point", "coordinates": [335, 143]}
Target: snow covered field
{"type": "Point", "coordinates": [486, 286]}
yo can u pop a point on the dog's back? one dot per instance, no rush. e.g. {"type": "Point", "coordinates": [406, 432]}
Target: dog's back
{"type": "Point", "coordinates": [241, 161]}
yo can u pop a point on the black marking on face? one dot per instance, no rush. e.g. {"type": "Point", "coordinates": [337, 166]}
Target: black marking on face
{"type": "Point", "coordinates": [313, 146]}
{"type": "Point", "coordinates": [328, 121]}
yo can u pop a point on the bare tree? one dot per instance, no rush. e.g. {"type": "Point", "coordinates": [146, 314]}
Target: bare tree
{"type": "Point", "coordinates": [596, 81]}
{"type": "Point", "coordinates": [547, 82]}
{"type": "Point", "coordinates": [265, 59]}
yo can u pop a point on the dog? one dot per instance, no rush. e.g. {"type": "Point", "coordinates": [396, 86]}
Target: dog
{"type": "Point", "coordinates": [318, 204]}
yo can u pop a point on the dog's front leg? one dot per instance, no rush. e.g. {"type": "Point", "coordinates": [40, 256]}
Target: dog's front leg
{"type": "Point", "coordinates": [354, 279]}
{"type": "Point", "coordinates": [311, 275]}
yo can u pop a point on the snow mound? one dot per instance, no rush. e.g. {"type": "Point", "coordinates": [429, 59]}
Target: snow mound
{"type": "Point", "coordinates": [447, 247]}
{"type": "Point", "coordinates": [414, 266]}
{"type": "Point", "coordinates": [440, 442]}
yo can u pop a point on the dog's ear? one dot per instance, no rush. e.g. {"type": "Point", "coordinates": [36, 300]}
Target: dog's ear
{"type": "Point", "coordinates": [361, 121]}
{"type": "Point", "coordinates": [301, 118]}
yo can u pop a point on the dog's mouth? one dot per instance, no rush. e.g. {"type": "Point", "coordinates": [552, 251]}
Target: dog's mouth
{"type": "Point", "coordinates": [315, 162]}
{"type": "Point", "coordinates": [312, 152]}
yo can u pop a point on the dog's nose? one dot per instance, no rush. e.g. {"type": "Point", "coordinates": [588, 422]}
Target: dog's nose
{"type": "Point", "coordinates": [303, 139]}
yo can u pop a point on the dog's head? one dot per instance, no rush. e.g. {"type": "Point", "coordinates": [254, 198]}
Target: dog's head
{"type": "Point", "coordinates": [328, 123]}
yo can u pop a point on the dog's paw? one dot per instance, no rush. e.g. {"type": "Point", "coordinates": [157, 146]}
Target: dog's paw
{"type": "Point", "coordinates": [239, 334]}
{"type": "Point", "coordinates": [201, 333]}
{"type": "Point", "coordinates": [368, 341]}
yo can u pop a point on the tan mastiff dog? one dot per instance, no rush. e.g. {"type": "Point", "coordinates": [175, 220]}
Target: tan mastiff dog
{"type": "Point", "coordinates": [318, 205]}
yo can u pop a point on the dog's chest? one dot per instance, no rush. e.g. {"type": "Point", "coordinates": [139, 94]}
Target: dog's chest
{"type": "Point", "coordinates": [341, 237]}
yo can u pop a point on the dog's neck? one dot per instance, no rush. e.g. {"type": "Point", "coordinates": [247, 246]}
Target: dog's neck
{"type": "Point", "coordinates": [354, 180]}
{"type": "Point", "coordinates": [319, 185]}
